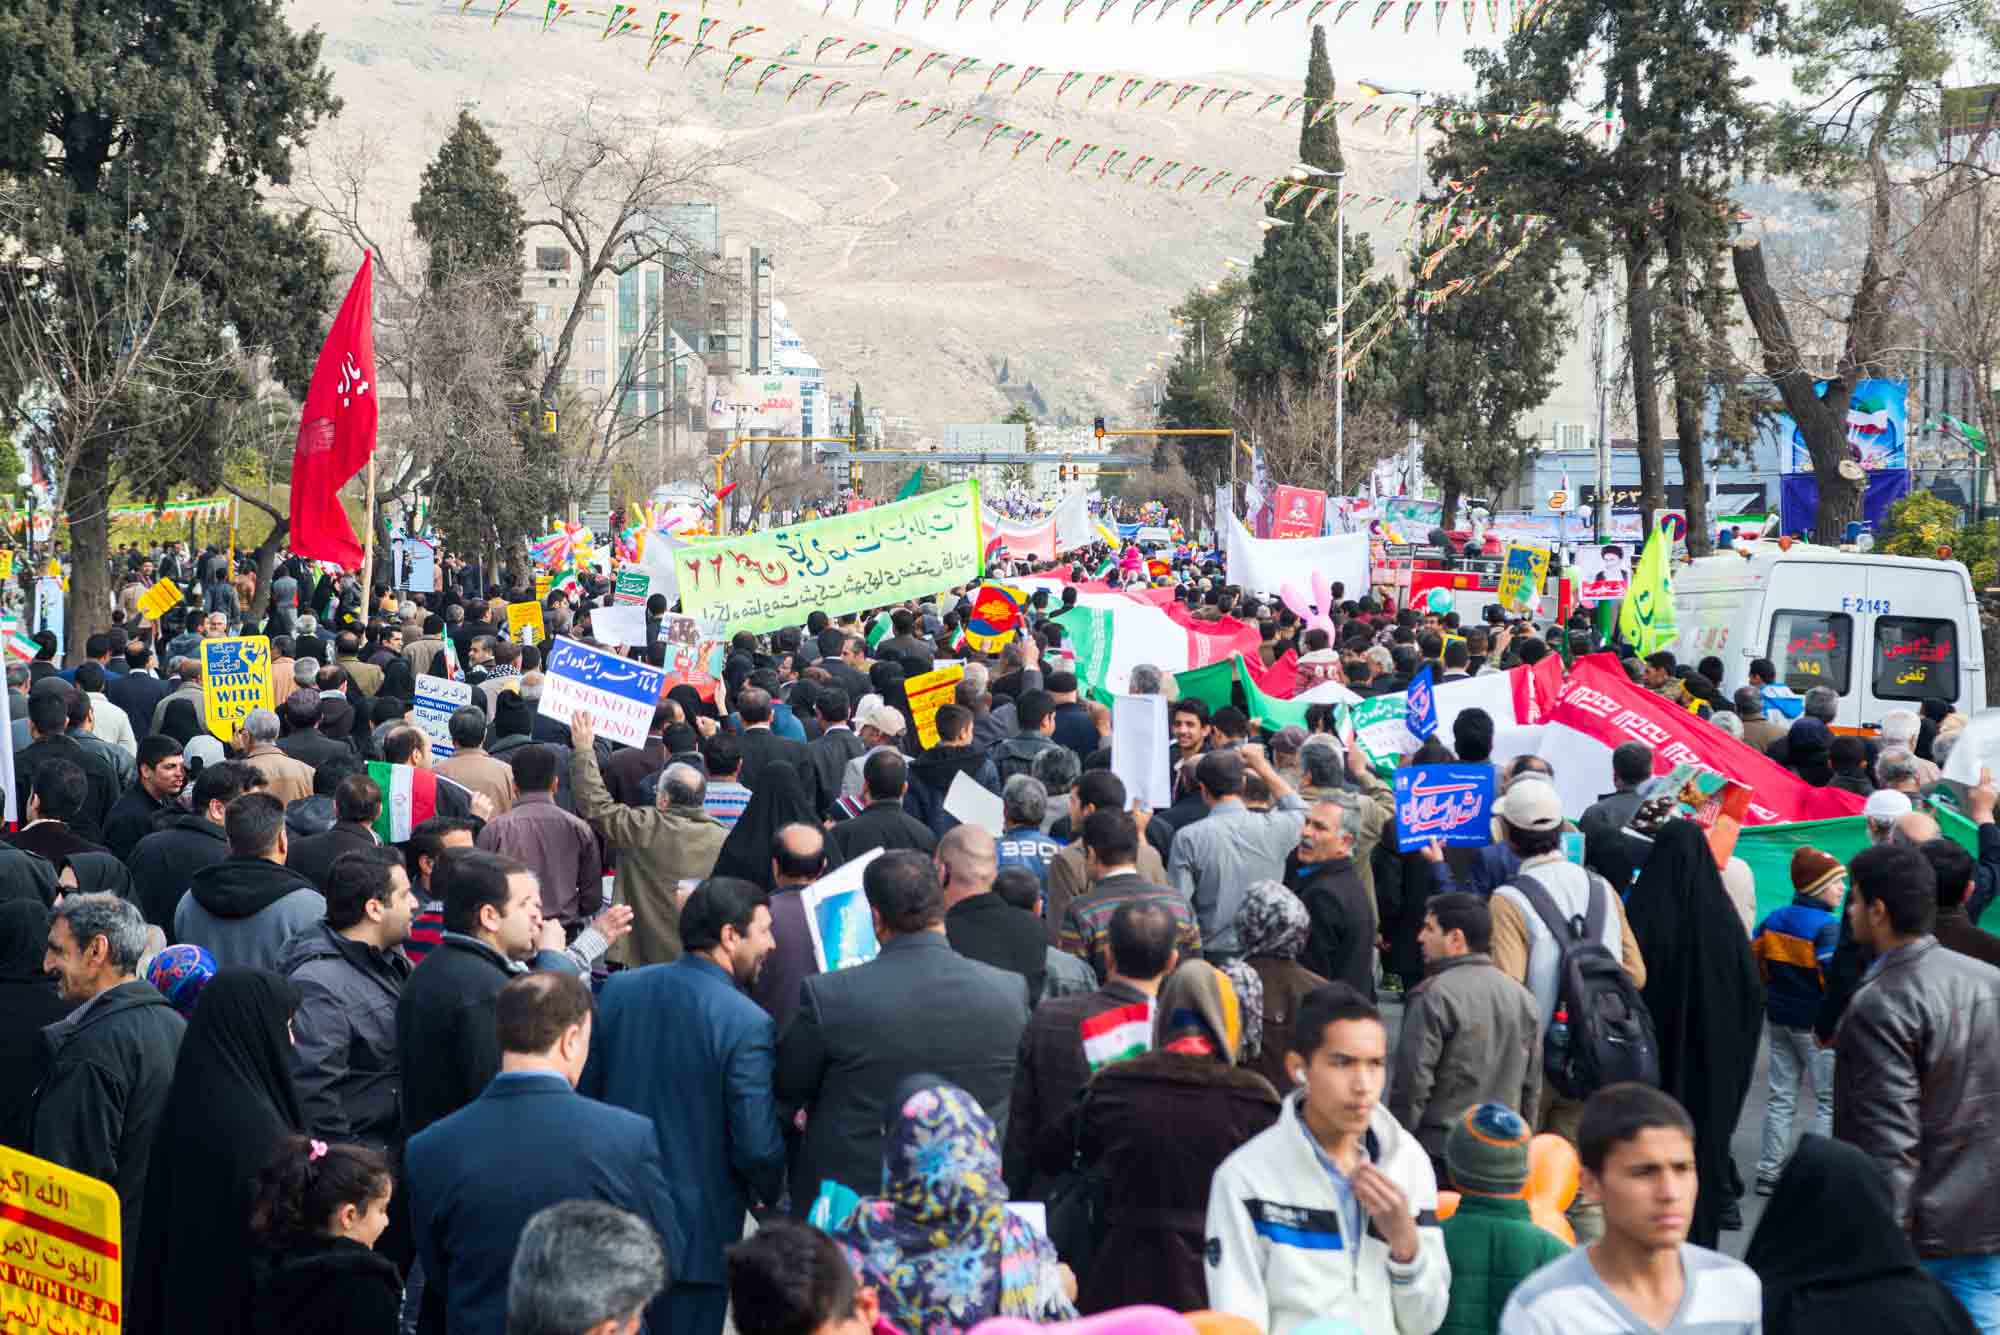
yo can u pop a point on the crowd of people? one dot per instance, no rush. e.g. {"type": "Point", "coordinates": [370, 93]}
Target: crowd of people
{"type": "Point", "coordinates": [537, 1036]}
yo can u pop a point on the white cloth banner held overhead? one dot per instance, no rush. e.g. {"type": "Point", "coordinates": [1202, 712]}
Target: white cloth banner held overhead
{"type": "Point", "coordinates": [1267, 565]}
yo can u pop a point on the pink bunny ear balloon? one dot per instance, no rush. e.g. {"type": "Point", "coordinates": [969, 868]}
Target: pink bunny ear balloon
{"type": "Point", "coordinates": [1311, 614]}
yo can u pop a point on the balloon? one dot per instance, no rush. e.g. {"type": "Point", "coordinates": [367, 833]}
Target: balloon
{"type": "Point", "coordinates": [1553, 1174]}
{"type": "Point", "coordinates": [1222, 1323]}
{"type": "Point", "coordinates": [1438, 600]}
{"type": "Point", "coordinates": [1317, 613]}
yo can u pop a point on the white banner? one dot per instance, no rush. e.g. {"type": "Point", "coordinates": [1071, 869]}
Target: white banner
{"type": "Point", "coordinates": [1267, 565]}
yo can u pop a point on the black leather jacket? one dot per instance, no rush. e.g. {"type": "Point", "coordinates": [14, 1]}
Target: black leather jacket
{"type": "Point", "coordinates": [1917, 1086]}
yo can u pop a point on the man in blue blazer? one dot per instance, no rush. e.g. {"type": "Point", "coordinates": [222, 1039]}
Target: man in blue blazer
{"type": "Point", "coordinates": [476, 1177]}
{"type": "Point", "coordinates": [682, 1043]}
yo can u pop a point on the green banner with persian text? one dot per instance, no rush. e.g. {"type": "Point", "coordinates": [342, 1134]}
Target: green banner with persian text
{"type": "Point", "coordinates": [849, 563]}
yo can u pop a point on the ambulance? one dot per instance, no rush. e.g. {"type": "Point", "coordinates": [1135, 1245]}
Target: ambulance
{"type": "Point", "coordinates": [1883, 632]}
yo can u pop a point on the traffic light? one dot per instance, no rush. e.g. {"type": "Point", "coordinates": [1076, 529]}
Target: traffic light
{"type": "Point", "coordinates": [1098, 427]}
{"type": "Point", "coordinates": [549, 421]}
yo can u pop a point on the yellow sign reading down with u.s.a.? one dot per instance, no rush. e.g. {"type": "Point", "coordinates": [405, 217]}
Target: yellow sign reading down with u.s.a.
{"type": "Point", "coordinates": [235, 679]}
{"type": "Point", "coordinates": [61, 1253]}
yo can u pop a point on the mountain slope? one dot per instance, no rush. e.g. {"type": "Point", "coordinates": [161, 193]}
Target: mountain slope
{"type": "Point", "coordinates": [907, 259]}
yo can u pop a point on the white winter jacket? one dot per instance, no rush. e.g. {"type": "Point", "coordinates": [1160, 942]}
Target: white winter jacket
{"type": "Point", "coordinates": [1278, 1253]}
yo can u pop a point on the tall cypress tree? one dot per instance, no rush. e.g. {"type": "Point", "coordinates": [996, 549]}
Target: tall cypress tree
{"type": "Point", "coordinates": [1292, 296]}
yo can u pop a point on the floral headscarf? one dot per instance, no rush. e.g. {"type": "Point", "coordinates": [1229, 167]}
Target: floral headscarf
{"type": "Point", "coordinates": [1271, 921]}
{"type": "Point", "coordinates": [939, 1246]}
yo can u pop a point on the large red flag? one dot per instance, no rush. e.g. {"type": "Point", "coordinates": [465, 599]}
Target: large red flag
{"type": "Point", "coordinates": [337, 430]}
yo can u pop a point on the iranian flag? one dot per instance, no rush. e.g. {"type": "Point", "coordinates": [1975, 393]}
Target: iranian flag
{"type": "Point", "coordinates": [411, 796]}
{"type": "Point", "coordinates": [566, 582]}
{"type": "Point", "coordinates": [22, 647]}
{"type": "Point", "coordinates": [1112, 633]}
{"type": "Point", "coordinates": [1115, 1035]}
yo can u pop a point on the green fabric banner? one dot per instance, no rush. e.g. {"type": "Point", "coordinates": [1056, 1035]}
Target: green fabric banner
{"type": "Point", "coordinates": [913, 486]}
{"type": "Point", "coordinates": [1087, 631]}
{"type": "Point", "coordinates": [1213, 685]}
{"type": "Point", "coordinates": [1768, 849]}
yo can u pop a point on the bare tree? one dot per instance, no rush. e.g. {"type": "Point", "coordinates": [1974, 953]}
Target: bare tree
{"type": "Point", "coordinates": [448, 360]}
{"type": "Point", "coordinates": [107, 384]}
{"type": "Point", "coordinates": [606, 183]}
{"type": "Point", "coordinates": [1955, 277]}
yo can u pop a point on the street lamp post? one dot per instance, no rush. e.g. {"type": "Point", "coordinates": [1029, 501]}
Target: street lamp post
{"type": "Point", "coordinates": [1417, 139]}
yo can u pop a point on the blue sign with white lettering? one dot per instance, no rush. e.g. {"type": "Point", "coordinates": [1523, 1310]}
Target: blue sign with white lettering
{"type": "Point", "coordinates": [1421, 712]}
{"type": "Point", "coordinates": [620, 693]}
{"type": "Point", "coordinates": [1452, 803]}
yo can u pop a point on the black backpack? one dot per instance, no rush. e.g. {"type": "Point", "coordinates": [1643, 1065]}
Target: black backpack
{"type": "Point", "coordinates": [1610, 1033]}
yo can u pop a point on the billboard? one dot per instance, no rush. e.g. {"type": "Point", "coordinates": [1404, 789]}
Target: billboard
{"type": "Point", "coordinates": [754, 403]}
{"type": "Point", "coordinates": [1877, 428]}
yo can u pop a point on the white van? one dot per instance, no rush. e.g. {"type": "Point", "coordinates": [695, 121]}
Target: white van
{"type": "Point", "coordinates": [1885, 632]}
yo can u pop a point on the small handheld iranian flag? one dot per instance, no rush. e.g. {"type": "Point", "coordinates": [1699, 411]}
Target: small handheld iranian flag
{"type": "Point", "coordinates": [411, 796]}
{"type": "Point", "coordinates": [21, 647]}
{"type": "Point", "coordinates": [1115, 1035]}
{"type": "Point", "coordinates": [1110, 564]}
{"type": "Point", "coordinates": [566, 582]}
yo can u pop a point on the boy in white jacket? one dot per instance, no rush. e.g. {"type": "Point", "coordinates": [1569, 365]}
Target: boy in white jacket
{"type": "Point", "coordinates": [1331, 1213]}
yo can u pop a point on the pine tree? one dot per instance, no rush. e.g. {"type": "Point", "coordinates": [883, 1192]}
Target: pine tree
{"type": "Point", "coordinates": [466, 211]}
{"type": "Point", "coordinates": [857, 421]}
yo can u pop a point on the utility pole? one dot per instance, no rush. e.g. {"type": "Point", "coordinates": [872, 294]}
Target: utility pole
{"type": "Point", "coordinates": [1340, 341]}
{"type": "Point", "coordinates": [1603, 409]}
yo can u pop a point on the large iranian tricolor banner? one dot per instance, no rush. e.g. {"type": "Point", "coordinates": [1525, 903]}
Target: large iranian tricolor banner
{"type": "Point", "coordinates": [1112, 633]}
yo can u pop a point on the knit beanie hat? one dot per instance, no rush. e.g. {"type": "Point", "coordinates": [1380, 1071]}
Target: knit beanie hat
{"type": "Point", "coordinates": [1487, 1151]}
{"type": "Point", "coordinates": [1813, 871]}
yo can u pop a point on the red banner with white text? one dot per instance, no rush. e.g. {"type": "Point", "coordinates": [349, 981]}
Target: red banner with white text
{"type": "Point", "coordinates": [1604, 704]}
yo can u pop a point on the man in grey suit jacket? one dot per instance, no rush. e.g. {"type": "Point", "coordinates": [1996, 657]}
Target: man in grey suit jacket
{"type": "Point", "coordinates": [918, 1008]}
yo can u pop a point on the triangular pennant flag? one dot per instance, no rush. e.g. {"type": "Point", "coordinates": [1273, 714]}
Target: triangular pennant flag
{"type": "Point", "coordinates": [932, 116]}
{"type": "Point", "coordinates": [864, 99]}
{"type": "Point", "coordinates": [747, 30]}
{"type": "Point", "coordinates": [556, 9]}
{"type": "Point", "coordinates": [1126, 91]}
{"type": "Point", "coordinates": [928, 61]}
{"type": "Point", "coordinates": [1067, 82]}
{"type": "Point", "coordinates": [620, 22]}
{"type": "Point", "coordinates": [763, 78]}
{"type": "Point", "coordinates": [735, 63]}
{"type": "Point", "coordinates": [1061, 142]}
{"type": "Point", "coordinates": [896, 55]}
{"type": "Point", "coordinates": [802, 81]}
{"type": "Point", "coordinates": [860, 49]}
{"type": "Point", "coordinates": [1182, 93]}
{"type": "Point", "coordinates": [996, 72]}
{"type": "Point", "coordinates": [830, 90]}
{"type": "Point", "coordinates": [819, 52]}
{"type": "Point", "coordinates": [1209, 97]}
{"type": "Point", "coordinates": [1271, 101]}
{"type": "Point", "coordinates": [502, 10]}
{"type": "Point", "coordinates": [1098, 85]}
{"type": "Point", "coordinates": [1027, 77]}
{"type": "Point", "coordinates": [1030, 137]}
